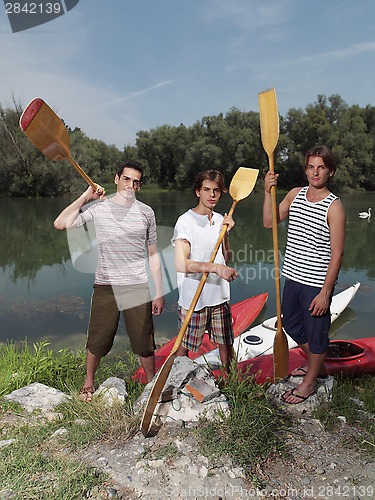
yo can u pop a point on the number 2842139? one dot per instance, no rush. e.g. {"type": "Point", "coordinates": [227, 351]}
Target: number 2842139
{"type": "Point", "coordinates": [33, 8]}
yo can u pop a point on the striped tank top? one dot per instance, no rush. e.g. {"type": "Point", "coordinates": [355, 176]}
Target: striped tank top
{"type": "Point", "coordinates": [308, 251]}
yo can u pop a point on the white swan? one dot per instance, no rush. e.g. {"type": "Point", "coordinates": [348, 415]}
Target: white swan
{"type": "Point", "coordinates": [365, 215]}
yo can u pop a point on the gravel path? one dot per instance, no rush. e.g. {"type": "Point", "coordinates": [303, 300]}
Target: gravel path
{"type": "Point", "coordinates": [319, 465]}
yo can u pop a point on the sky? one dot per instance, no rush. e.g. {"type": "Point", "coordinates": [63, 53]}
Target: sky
{"type": "Point", "coordinates": [115, 67]}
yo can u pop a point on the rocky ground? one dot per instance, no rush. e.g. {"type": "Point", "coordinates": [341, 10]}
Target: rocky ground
{"type": "Point", "coordinates": [317, 465]}
{"type": "Point", "coordinates": [320, 466]}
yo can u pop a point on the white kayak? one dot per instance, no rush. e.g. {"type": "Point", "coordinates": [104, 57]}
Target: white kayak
{"type": "Point", "coordinates": [259, 340]}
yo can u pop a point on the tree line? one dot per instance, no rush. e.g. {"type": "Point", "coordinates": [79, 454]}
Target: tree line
{"type": "Point", "coordinates": [173, 155]}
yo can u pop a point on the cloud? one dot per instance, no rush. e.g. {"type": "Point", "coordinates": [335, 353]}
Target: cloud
{"type": "Point", "coordinates": [42, 63]}
{"type": "Point", "coordinates": [137, 93]}
{"type": "Point", "coordinates": [326, 57]}
{"type": "Point", "coordinates": [249, 15]}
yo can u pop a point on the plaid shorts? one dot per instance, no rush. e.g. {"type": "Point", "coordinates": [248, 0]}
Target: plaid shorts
{"type": "Point", "coordinates": [215, 320]}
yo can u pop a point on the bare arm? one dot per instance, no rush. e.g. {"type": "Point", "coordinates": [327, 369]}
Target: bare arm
{"type": "Point", "coordinates": [227, 252]}
{"type": "Point", "coordinates": [336, 221]}
{"type": "Point", "coordinates": [68, 216]}
{"type": "Point", "coordinates": [283, 208]}
{"type": "Point", "coordinates": [155, 270]}
{"type": "Point", "coordinates": [185, 265]}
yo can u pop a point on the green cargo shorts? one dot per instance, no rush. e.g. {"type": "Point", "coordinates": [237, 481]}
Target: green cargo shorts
{"type": "Point", "coordinates": [106, 304]}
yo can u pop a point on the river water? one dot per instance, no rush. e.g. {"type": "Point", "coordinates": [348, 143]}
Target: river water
{"type": "Point", "coordinates": [43, 296]}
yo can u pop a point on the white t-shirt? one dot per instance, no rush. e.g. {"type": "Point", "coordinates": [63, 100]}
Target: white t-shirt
{"type": "Point", "coordinates": [202, 236]}
{"type": "Point", "coordinates": [123, 234]}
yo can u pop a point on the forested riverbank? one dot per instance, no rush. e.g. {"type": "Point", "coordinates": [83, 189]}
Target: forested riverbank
{"type": "Point", "coordinates": [172, 155]}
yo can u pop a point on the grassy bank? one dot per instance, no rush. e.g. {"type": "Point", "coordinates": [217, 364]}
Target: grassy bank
{"type": "Point", "coordinates": [40, 464]}
{"type": "Point", "coordinates": [37, 463]}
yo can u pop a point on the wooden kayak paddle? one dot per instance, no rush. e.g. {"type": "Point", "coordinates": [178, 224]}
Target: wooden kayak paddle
{"type": "Point", "coordinates": [49, 134]}
{"type": "Point", "coordinates": [241, 186]}
{"type": "Point", "coordinates": [269, 126]}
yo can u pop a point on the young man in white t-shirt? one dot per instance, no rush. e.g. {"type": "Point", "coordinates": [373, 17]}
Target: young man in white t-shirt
{"type": "Point", "coordinates": [195, 235]}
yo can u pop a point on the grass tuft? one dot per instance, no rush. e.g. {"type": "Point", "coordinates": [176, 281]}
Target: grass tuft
{"type": "Point", "coordinates": [36, 464]}
{"type": "Point", "coordinates": [250, 432]}
{"type": "Point", "coordinates": [352, 398]}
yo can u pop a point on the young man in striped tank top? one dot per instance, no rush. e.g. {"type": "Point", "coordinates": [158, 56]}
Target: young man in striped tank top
{"type": "Point", "coordinates": [313, 257]}
{"type": "Point", "coordinates": [126, 233]}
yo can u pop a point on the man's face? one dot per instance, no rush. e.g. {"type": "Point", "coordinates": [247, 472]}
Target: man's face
{"type": "Point", "coordinates": [317, 173]}
{"type": "Point", "coordinates": [129, 182]}
{"type": "Point", "coordinates": [209, 194]}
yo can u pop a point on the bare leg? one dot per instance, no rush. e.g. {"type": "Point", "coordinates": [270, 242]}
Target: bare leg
{"type": "Point", "coordinates": [92, 363]}
{"type": "Point", "coordinates": [182, 351]}
{"type": "Point", "coordinates": [148, 366]}
{"type": "Point", "coordinates": [308, 385]}
{"type": "Point", "coordinates": [226, 355]}
{"type": "Point", "coordinates": [298, 373]}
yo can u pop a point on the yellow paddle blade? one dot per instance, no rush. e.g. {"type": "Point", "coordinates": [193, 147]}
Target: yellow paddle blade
{"type": "Point", "coordinates": [269, 120]}
{"type": "Point", "coordinates": [156, 390]}
{"type": "Point", "coordinates": [280, 355]}
{"type": "Point", "coordinates": [243, 183]}
{"type": "Point", "coordinates": [45, 129]}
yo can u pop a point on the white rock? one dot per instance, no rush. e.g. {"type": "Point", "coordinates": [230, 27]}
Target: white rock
{"type": "Point", "coordinates": [6, 442]}
{"type": "Point", "coordinates": [35, 396]}
{"type": "Point", "coordinates": [112, 390]}
{"type": "Point", "coordinates": [60, 432]}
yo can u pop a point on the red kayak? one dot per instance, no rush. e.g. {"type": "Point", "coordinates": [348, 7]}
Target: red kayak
{"type": "Point", "coordinates": [347, 357]}
{"type": "Point", "coordinates": [243, 314]}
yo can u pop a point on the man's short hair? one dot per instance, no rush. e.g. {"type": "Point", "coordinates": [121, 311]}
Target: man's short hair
{"type": "Point", "coordinates": [130, 164]}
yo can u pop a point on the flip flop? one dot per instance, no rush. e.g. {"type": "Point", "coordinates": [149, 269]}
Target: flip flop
{"type": "Point", "coordinates": [301, 369]}
{"type": "Point", "coordinates": [86, 394]}
{"type": "Point", "coordinates": [292, 393]}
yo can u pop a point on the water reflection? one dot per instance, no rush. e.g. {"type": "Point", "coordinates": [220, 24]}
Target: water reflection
{"type": "Point", "coordinates": [42, 296]}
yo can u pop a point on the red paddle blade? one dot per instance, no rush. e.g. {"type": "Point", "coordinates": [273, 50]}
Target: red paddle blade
{"type": "Point", "coordinates": [45, 129]}
{"type": "Point", "coordinates": [29, 112]}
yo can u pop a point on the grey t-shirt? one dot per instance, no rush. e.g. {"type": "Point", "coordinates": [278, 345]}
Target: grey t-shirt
{"type": "Point", "coordinates": [123, 234]}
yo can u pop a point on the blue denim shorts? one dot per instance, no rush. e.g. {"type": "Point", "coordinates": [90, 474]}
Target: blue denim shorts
{"type": "Point", "coordinates": [298, 321]}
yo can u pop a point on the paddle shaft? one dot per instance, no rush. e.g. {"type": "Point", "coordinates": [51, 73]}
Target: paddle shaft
{"type": "Point", "coordinates": [275, 240]}
{"type": "Point", "coordinates": [269, 122]}
{"type": "Point", "coordinates": [82, 173]}
{"type": "Point", "coordinates": [167, 366]}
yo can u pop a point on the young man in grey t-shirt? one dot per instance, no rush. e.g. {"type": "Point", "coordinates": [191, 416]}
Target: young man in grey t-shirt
{"type": "Point", "coordinates": [125, 230]}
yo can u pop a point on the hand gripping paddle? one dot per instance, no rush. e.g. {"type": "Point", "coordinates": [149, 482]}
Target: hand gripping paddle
{"type": "Point", "coordinates": [269, 126]}
{"type": "Point", "coordinates": [49, 134]}
{"type": "Point", "coordinates": [241, 186]}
